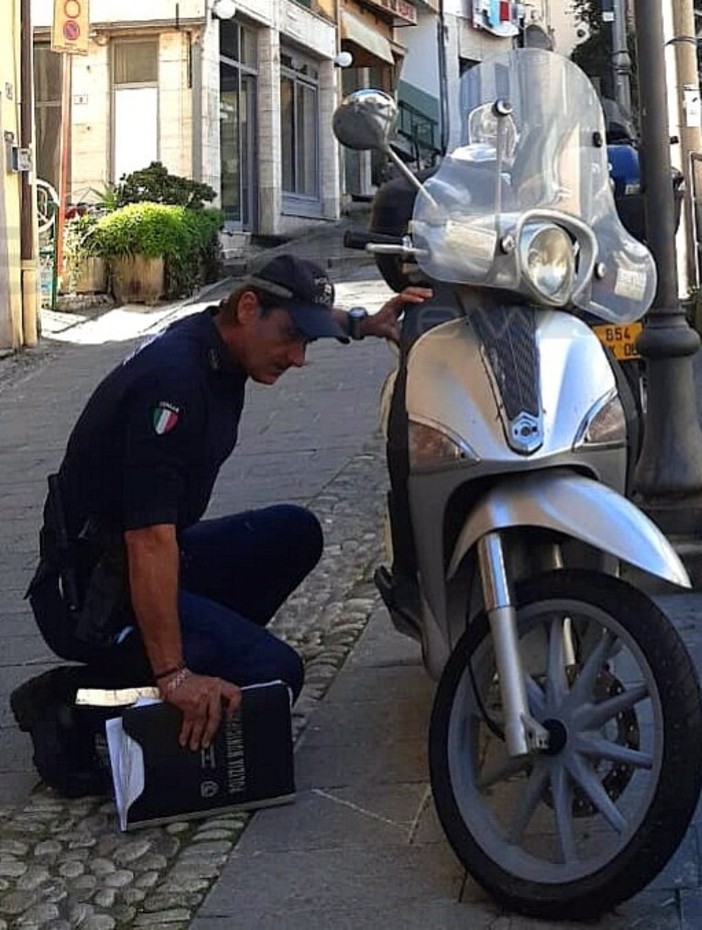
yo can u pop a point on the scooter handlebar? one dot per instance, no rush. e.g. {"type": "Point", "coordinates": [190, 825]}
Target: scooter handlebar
{"type": "Point", "coordinates": [359, 239]}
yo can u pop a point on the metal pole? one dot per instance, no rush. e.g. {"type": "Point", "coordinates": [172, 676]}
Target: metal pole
{"type": "Point", "coordinates": [65, 158]}
{"type": "Point", "coordinates": [621, 60]}
{"type": "Point", "coordinates": [668, 476]}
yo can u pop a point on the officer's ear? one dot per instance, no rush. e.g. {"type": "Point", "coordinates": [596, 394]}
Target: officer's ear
{"type": "Point", "coordinates": [247, 308]}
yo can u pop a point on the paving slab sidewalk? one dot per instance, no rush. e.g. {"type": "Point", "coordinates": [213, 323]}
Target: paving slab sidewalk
{"type": "Point", "coordinates": [362, 847]}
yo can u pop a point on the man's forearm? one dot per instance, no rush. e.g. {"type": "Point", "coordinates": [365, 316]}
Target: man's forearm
{"type": "Point", "coordinates": [153, 559]}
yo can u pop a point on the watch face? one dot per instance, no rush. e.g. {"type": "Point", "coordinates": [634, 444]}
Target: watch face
{"type": "Point", "coordinates": [356, 316]}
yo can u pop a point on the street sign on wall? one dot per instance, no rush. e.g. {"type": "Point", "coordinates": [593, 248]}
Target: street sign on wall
{"type": "Point", "coordinates": [70, 27]}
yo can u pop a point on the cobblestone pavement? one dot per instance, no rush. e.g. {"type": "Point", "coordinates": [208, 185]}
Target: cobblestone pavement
{"type": "Point", "coordinates": [312, 440]}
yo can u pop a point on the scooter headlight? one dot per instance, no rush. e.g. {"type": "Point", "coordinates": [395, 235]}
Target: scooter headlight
{"type": "Point", "coordinates": [547, 259]}
{"type": "Point", "coordinates": [430, 447]}
{"type": "Point", "coordinates": [605, 424]}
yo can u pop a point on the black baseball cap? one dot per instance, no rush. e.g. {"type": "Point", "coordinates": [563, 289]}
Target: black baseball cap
{"type": "Point", "coordinates": [305, 291]}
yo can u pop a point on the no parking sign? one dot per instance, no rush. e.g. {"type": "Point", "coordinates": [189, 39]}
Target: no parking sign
{"type": "Point", "coordinates": [70, 27]}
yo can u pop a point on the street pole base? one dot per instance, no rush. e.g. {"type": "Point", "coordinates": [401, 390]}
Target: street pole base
{"type": "Point", "coordinates": [681, 521]}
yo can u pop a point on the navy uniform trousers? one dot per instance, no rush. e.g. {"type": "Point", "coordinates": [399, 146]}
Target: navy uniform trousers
{"type": "Point", "coordinates": [235, 573]}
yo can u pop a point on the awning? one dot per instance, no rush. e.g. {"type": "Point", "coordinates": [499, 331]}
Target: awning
{"type": "Point", "coordinates": [355, 30]}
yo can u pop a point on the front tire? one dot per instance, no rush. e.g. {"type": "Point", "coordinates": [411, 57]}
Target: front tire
{"type": "Point", "coordinates": [578, 829]}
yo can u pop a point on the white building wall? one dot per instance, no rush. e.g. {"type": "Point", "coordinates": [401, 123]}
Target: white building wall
{"type": "Point", "coordinates": [564, 28]}
{"type": "Point", "coordinates": [90, 136]}
{"type": "Point", "coordinates": [330, 180]}
{"type": "Point", "coordinates": [209, 125]}
{"type": "Point", "coordinates": [270, 171]}
{"type": "Point", "coordinates": [421, 67]}
{"type": "Point", "coordinates": [175, 103]}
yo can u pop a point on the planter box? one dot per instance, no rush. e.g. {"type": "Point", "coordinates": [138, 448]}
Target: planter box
{"type": "Point", "coordinates": [138, 280]}
{"type": "Point", "coordinates": [91, 277]}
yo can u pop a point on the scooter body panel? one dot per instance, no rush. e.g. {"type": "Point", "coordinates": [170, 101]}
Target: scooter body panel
{"type": "Point", "coordinates": [450, 386]}
{"type": "Point", "coordinates": [577, 507]}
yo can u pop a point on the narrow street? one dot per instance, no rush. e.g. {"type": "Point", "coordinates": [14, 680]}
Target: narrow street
{"type": "Point", "coordinates": [361, 847]}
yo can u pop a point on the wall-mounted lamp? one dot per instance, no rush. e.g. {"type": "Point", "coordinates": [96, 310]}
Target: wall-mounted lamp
{"type": "Point", "coordinates": [223, 9]}
{"type": "Point", "coordinates": [343, 60]}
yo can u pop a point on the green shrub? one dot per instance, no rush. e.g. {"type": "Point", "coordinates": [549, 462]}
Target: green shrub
{"type": "Point", "coordinates": [155, 185]}
{"type": "Point", "coordinates": [106, 197]}
{"type": "Point", "coordinates": [187, 239]}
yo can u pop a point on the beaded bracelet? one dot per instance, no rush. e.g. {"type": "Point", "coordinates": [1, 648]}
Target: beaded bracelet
{"type": "Point", "coordinates": [177, 680]}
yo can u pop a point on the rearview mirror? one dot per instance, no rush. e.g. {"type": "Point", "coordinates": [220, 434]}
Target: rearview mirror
{"type": "Point", "coordinates": [364, 120]}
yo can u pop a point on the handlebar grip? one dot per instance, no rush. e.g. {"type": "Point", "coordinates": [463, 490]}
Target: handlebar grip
{"type": "Point", "coordinates": [359, 239]}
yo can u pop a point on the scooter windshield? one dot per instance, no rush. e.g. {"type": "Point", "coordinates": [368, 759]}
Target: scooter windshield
{"type": "Point", "coordinates": [523, 201]}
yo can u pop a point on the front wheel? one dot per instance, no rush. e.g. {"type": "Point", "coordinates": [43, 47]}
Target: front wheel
{"type": "Point", "coordinates": [576, 829]}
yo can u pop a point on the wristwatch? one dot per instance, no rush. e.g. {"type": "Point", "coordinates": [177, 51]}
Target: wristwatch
{"type": "Point", "coordinates": [356, 317]}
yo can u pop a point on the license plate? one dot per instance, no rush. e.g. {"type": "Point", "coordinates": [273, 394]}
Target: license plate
{"type": "Point", "coordinates": [620, 339]}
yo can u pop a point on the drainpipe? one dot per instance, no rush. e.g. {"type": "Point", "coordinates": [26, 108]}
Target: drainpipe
{"type": "Point", "coordinates": [28, 242]}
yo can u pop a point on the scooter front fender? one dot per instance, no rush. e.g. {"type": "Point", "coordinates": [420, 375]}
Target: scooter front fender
{"type": "Point", "coordinates": [578, 507]}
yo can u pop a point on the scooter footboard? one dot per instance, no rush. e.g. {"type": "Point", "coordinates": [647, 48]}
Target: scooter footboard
{"type": "Point", "coordinates": [579, 507]}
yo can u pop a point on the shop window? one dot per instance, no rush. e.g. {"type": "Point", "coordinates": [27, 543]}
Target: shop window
{"type": "Point", "coordinates": [136, 62]}
{"type": "Point", "coordinates": [299, 126]}
{"type": "Point", "coordinates": [134, 105]}
{"type": "Point", "coordinates": [237, 43]}
{"type": "Point", "coordinates": [237, 125]}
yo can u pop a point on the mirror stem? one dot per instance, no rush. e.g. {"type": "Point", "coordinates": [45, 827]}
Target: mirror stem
{"type": "Point", "coordinates": [413, 179]}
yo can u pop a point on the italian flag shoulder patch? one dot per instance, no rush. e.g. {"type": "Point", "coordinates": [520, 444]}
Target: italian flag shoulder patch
{"type": "Point", "coordinates": [164, 417]}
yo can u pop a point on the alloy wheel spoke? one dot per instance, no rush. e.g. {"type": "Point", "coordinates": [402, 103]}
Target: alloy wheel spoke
{"type": "Point", "coordinates": [593, 716]}
{"type": "Point", "coordinates": [599, 748]}
{"type": "Point", "coordinates": [501, 770]}
{"type": "Point", "coordinates": [562, 790]}
{"type": "Point", "coordinates": [556, 683]}
{"type": "Point", "coordinates": [586, 777]}
{"type": "Point", "coordinates": [535, 695]}
{"type": "Point", "coordinates": [530, 800]}
{"type": "Point", "coordinates": [583, 688]}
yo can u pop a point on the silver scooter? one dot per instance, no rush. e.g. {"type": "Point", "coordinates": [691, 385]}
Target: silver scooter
{"type": "Point", "coordinates": [565, 750]}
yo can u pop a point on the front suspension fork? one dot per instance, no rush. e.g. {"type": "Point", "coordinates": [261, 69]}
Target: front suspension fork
{"type": "Point", "coordinates": [523, 733]}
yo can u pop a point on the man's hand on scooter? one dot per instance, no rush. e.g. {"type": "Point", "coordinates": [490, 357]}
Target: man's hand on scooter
{"type": "Point", "coordinates": [384, 324]}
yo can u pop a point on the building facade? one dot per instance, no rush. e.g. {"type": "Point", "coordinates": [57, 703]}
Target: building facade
{"type": "Point", "coordinates": [244, 102]}
{"type": "Point", "coordinates": [452, 36]}
{"type": "Point", "coordinates": [240, 103]}
{"type": "Point", "coordinates": [10, 283]}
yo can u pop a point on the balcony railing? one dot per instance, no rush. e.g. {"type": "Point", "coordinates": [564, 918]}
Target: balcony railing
{"type": "Point", "coordinates": [421, 131]}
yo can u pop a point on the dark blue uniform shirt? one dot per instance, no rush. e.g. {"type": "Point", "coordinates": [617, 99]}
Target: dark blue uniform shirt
{"type": "Point", "coordinates": [150, 442]}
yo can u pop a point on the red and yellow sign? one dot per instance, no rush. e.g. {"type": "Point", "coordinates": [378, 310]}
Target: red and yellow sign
{"type": "Point", "coordinates": [70, 27]}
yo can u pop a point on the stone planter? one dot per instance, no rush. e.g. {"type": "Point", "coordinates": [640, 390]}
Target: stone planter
{"type": "Point", "coordinates": [91, 277]}
{"type": "Point", "coordinates": [137, 279]}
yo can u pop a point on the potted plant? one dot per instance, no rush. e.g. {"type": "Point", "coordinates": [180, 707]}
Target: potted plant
{"type": "Point", "coordinates": [155, 249]}
{"type": "Point", "coordinates": [135, 240]}
{"type": "Point", "coordinates": [84, 267]}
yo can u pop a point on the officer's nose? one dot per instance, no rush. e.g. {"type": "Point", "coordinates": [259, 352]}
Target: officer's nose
{"type": "Point", "coordinates": [297, 354]}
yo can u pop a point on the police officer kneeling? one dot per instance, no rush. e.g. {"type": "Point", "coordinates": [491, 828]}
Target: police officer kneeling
{"type": "Point", "coordinates": [131, 582]}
